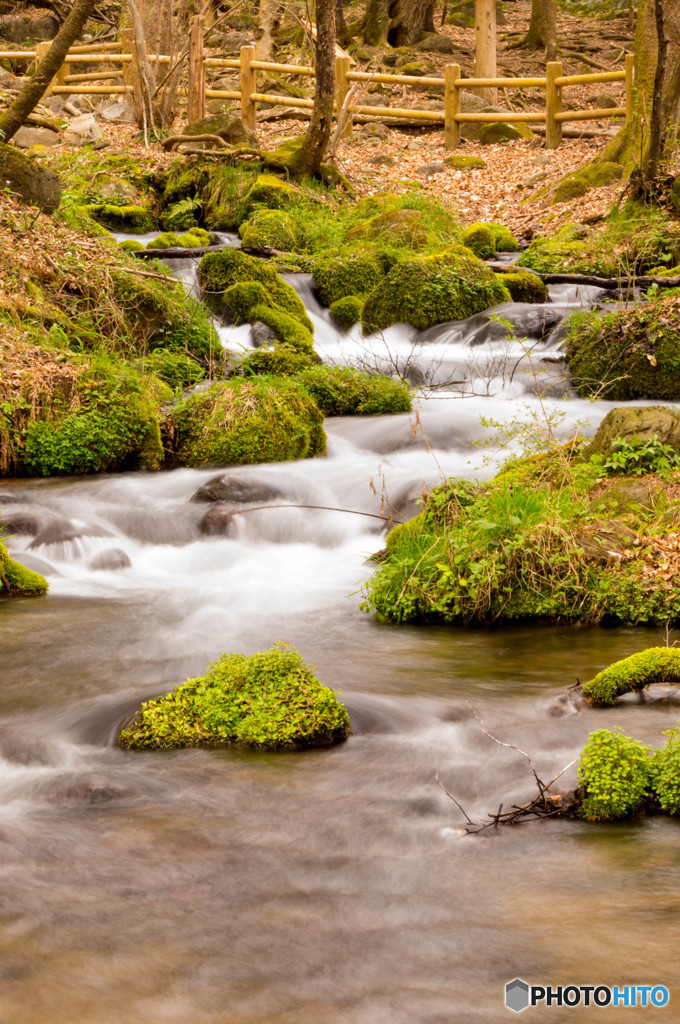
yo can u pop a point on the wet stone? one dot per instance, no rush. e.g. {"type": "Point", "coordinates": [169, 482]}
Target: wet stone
{"type": "Point", "coordinates": [235, 490]}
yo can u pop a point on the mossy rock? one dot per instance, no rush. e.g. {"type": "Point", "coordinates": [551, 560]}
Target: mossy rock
{"type": "Point", "coordinates": [34, 184]}
{"type": "Point", "coordinates": [340, 274]}
{"type": "Point", "coordinates": [524, 287]}
{"type": "Point", "coordinates": [632, 674]}
{"type": "Point", "coordinates": [504, 238]}
{"type": "Point", "coordinates": [279, 360]}
{"type": "Point", "coordinates": [131, 245]}
{"type": "Point", "coordinates": [594, 176]}
{"type": "Point", "coordinates": [227, 126]}
{"type": "Point", "coordinates": [271, 193]}
{"type": "Point", "coordinates": [344, 391]}
{"type": "Point", "coordinates": [270, 700]}
{"type": "Point", "coordinates": [273, 228]}
{"type": "Point", "coordinates": [176, 369]}
{"type": "Point", "coordinates": [644, 422]}
{"type": "Point", "coordinates": [452, 285]}
{"type": "Point", "coordinates": [244, 421]}
{"type": "Point", "coordinates": [346, 312]}
{"type": "Point", "coordinates": [286, 327]}
{"type": "Point", "coordinates": [135, 219]}
{"type": "Point", "coordinates": [675, 194]}
{"type": "Point", "coordinates": [567, 251]}
{"type": "Point", "coordinates": [462, 162]}
{"type": "Point", "coordinates": [220, 270]}
{"type": "Point", "coordinates": [627, 355]}
{"type": "Point", "coordinates": [197, 238]}
{"type": "Point", "coordinates": [17, 581]}
{"type": "Point", "coordinates": [479, 238]}
{"type": "Point", "coordinates": [491, 134]}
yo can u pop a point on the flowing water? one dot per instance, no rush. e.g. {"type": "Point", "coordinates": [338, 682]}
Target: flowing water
{"type": "Point", "coordinates": [328, 887]}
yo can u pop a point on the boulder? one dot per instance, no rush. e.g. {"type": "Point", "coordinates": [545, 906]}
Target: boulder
{"type": "Point", "coordinates": [120, 111]}
{"type": "Point", "coordinates": [375, 130]}
{"type": "Point", "coordinates": [462, 162]}
{"type": "Point", "coordinates": [472, 104]}
{"type": "Point", "coordinates": [238, 491]}
{"type": "Point", "coordinates": [261, 334]}
{"type": "Point", "coordinates": [434, 43]}
{"type": "Point", "coordinates": [22, 523]}
{"type": "Point", "coordinates": [32, 183]}
{"type": "Point", "coordinates": [628, 421]}
{"type": "Point", "coordinates": [82, 130]}
{"type": "Point", "coordinates": [426, 170]}
{"type": "Point", "coordinates": [382, 160]}
{"type": "Point", "coordinates": [216, 521]}
{"type": "Point", "coordinates": [110, 560]}
{"type": "Point", "coordinates": [62, 531]}
{"type": "Point", "coordinates": [605, 101]}
{"type": "Point", "coordinates": [26, 30]}
{"type": "Point", "coordinates": [27, 137]}
{"type": "Point", "coordinates": [490, 134]}
{"type": "Point", "coordinates": [228, 126]}
{"type": "Point", "coordinates": [630, 493]}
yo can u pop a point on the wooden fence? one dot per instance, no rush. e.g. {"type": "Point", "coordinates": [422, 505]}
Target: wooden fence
{"type": "Point", "coordinates": [450, 117]}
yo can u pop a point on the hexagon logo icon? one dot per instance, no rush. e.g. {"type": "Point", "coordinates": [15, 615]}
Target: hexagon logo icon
{"type": "Point", "coordinates": [517, 995]}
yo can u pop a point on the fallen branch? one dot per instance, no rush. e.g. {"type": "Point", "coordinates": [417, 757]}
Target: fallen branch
{"type": "Point", "coordinates": [609, 283]}
{"type": "Point", "coordinates": [173, 254]}
{"type": "Point", "coordinates": [175, 140]}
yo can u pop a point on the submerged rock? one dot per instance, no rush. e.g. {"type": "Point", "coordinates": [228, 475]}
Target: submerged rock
{"type": "Point", "coordinates": [270, 700]}
{"type": "Point", "coordinates": [237, 490]}
{"type": "Point", "coordinates": [111, 559]}
{"type": "Point", "coordinates": [64, 530]}
{"type": "Point", "coordinates": [216, 521]}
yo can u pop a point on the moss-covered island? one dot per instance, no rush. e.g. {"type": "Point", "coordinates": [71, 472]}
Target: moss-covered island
{"type": "Point", "coordinates": [270, 700]}
{"type": "Point", "coordinates": [16, 580]}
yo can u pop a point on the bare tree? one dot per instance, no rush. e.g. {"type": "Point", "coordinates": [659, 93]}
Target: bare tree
{"type": "Point", "coordinates": [542, 29]}
{"type": "Point", "coordinates": [318, 134]}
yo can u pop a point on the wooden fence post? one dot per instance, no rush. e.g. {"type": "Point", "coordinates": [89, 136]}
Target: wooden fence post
{"type": "Point", "coordinates": [553, 105]}
{"type": "Point", "coordinates": [247, 79]}
{"type": "Point", "coordinates": [451, 106]}
{"type": "Point", "coordinates": [342, 66]}
{"type": "Point", "coordinates": [131, 72]}
{"type": "Point", "coordinates": [196, 98]}
{"type": "Point", "coordinates": [630, 83]}
{"type": "Point", "coordinates": [42, 49]}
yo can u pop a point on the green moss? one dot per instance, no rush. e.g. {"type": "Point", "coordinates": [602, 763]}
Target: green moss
{"type": "Point", "coordinates": [525, 287]}
{"type": "Point", "coordinates": [194, 239]}
{"type": "Point", "coordinates": [424, 291]}
{"type": "Point", "coordinates": [504, 238]}
{"type": "Point", "coordinates": [115, 425]}
{"type": "Point", "coordinates": [168, 240]}
{"type": "Point", "coordinates": [177, 370]}
{"type": "Point", "coordinates": [271, 193]}
{"type": "Point", "coordinates": [462, 162]}
{"type": "Point", "coordinates": [286, 328]}
{"type": "Point", "coordinates": [490, 134]}
{"type": "Point", "coordinates": [136, 219]}
{"type": "Point", "coordinates": [16, 581]}
{"type": "Point", "coordinates": [340, 274]}
{"type": "Point", "coordinates": [280, 360]}
{"type": "Point", "coordinates": [239, 301]}
{"type": "Point", "coordinates": [627, 355]}
{"type": "Point", "coordinates": [344, 391]}
{"type": "Point", "coordinates": [655, 665]}
{"type": "Point", "coordinates": [261, 419]}
{"type": "Point", "coordinates": [272, 228]}
{"type": "Point", "coordinates": [593, 176]}
{"type": "Point", "coordinates": [130, 245]}
{"type": "Point", "coordinates": [270, 700]}
{"type": "Point", "coordinates": [479, 238]}
{"type": "Point", "coordinates": [615, 773]}
{"type": "Point", "coordinates": [347, 312]}
{"type": "Point", "coordinates": [220, 270]}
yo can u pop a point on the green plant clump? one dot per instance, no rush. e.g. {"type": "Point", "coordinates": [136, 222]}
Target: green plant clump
{"type": "Point", "coordinates": [665, 771]}
{"type": "Point", "coordinates": [638, 456]}
{"type": "Point", "coordinates": [615, 773]}
{"type": "Point", "coordinates": [424, 291]}
{"type": "Point", "coordinates": [137, 219]}
{"type": "Point", "coordinates": [270, 700]}
{"type": "Point", "coordinates": [344, 391]}
{"type": "Point", "coordinates": [243, 421]}
{"type": "Point", "coordinates": [176, 369]}
{"type": "Point", "coordinates": [16, 581]}
{"type": "Point", "coordinates": [280, 360]}
{"type": "Point", "coordinates": [655, 665]}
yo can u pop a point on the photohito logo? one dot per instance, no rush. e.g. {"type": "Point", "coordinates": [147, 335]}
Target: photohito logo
{"type": "Point", "coordinates": [519, 995]}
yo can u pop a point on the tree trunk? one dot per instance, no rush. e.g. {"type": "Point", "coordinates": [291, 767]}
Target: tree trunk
{"type": "Point", "coordinates": [319, 132]}
{"type": "Point", "coordinates": [341, 31]}
{"type": "Point", "coordinates": [397, 22]}
{"type": "Point", "coordinates": [542, 28]}
{"type": "Point", "coordinates": [631, 147]}
{"type": "Point", "coordinates": [269, 20]}
{"type": "Point", "coordinates": [31, 94]}
{"type": "Point", "coordinates": [153, 30]}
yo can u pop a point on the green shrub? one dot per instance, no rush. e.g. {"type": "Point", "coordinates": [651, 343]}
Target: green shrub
{"type": "Point", "coordinates": [423, 291]}
{"type": "Point", "coordinates": [338, 275]}
{"type": "Point", "coordinates": [638, 456]}
{"type": "Point", "coordinates": [270, 700]}
{"type": "Point", "coordinates": [343, 391]}
{"type": "Point", "coordinates": [243, 421]}
{"type": "Point", "coordinates": [615, 773]}
{"type": "Point", "coordinates": [665, 773]}
{"type": "Point", "coordinates": [479, 238]}
{"type": "Point", "coordinates": [271, 228]}
{"type": "Point", "coordinates": [220, 270]}
{"type": "Point", "coordinates": [347, 312]}
{"type": "Point", "coordinates": [16, 581]}
{"type": "Point", "coordinates": [655, 665]}
{"type": "Point", "coordinates": [280, 360]}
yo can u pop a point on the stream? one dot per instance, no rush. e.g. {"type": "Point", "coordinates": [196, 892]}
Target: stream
{"type": "Point", "coordinates": [325, 887]}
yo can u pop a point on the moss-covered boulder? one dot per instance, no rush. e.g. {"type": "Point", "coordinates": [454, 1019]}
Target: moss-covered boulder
{"type": "Point", "coordinates": [480, 240]}
{"type": "Point", "coordinates": [524, 287]}
{"type": "Point", "coordinates": [270, 700]}
{"type": "Point", "coordinates": [272, 419]}
{"type": "Point", "coordinates": [424, 291]}
{"type": "Point", "coordinates": [227, 126]}
{"type": "Point", "coordinates": [274, 228]}
{"type": "Point", "coordinates": [463, 162]}
{"type": "Point", "coordinates": [344, 391]}
{"type": "Point", "coordinates": [250, 302]}
{"type": "Point", "coordinates": [501, 131]}
{"type": "Point", "coordinates": [135, 219]}
{"type": "Point", "coordinates": [632, 674]}
{"type": "Point", "coordinates": [504, 238]}
{"type": "Point", "coordinates": [197, 238]}
{"type": "Point", "coordinates": [642, 422]}
{"type": "Point", "coordinates": [176, 369]}
{"type": "Point", "coordinates": [220, 270]}
{"type": "Point", "coordinates": [25, 177]}
{"type": "Point", "coordinates": [347, 312]}
{"type": "Point", "coordinates": [271, 193]}
{"type": "Point", "coordinates": [634, 353]}
{"type": "Point", "coordinates": [340, 274]}
{"type": "Point", "coordinates": [131, 245]}
{"type": "Point", "coordinates": [593, 176]}
{"type": "Point", "coordinates": [279, 360]}
{"type": "Point", "coordinates": [16, 581]}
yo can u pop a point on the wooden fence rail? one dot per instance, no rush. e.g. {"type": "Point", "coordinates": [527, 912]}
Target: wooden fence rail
{"type": "Point", "coordinates": [452, 84]}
